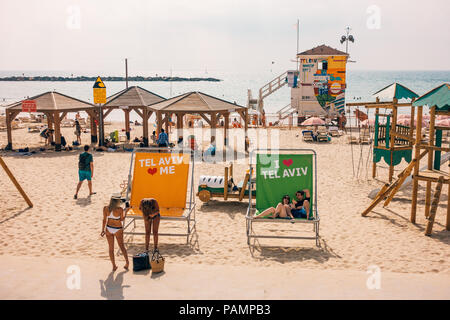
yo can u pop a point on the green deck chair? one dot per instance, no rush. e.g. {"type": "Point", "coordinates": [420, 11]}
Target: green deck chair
{"type": "Point", "coordinates": [281, 172]}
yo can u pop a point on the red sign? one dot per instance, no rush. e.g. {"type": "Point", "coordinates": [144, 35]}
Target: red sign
{"type": "Point", "coordinates": [29, 106]}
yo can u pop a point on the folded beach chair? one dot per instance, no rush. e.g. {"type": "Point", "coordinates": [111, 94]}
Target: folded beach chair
{"type": "Point", "coordinates": [281, 172]}
{"type": "Point", "coordinates": [163, 174]}
{"type": "Point", "coordinates": [307, 135]}
{"type": "Point", "coordinates": [334, 131]}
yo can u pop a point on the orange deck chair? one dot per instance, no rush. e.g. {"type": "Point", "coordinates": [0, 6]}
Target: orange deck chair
{"type": "Point", "coordinates": [162, 174]}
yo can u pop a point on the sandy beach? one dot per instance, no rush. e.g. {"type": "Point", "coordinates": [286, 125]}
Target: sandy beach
{"type": "Point", "coordinates": [60, 227]}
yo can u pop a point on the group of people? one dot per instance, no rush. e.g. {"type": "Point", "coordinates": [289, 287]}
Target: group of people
{"type": "Point", "coordinates": [112, 226]}
{"type": "Point", "coordinates": [297, 208]}
{"type": "Point", "coordinates": [114, 214]}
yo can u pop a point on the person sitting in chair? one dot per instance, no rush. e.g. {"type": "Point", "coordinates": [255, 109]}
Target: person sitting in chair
{"type": "Point", "coordinates": [283, 210]}
{"type": "Point", "coordinates": [300, 207]}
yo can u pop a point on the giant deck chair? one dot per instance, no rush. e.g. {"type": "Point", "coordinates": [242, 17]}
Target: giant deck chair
{"type": "Point", "coordinates": [162, 174]}
{"type": "Point", "coordinates": [281, 172]}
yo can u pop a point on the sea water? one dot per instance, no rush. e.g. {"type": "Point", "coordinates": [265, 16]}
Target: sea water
{"type": "Point", "coordinates": [234, 85]}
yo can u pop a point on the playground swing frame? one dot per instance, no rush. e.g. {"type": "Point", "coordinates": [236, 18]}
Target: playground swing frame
{"type": "Point", "coordinates": [250, 219]}
{"type": "Point", "coordinates": [189, 211]}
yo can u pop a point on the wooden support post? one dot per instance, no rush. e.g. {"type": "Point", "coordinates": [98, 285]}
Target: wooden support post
{"type": "Point", "coordinates": [402, 177]}
{"type": "Point", "coordinates": [158, 122]}
{"type": "Point", "coordinates": [411, 130]}
{"type": "Point", "coordinates": [213, 127]}
{"type": "Point", "coordinates": [225, 185]}
{"type": "Point", "coordinates": [437, 195]}
{"type": "Point", "coordinates": [447, 223]}
{"type": "Point", "coordinates": [375, 144]}
{"type": "Point", "coordinates": [379, 197]}
{"type": "Point", "coordinates": [244, 187]}
{"type": "Point", "coordinates": [93, 116]}
{"type": "Point", "coordinates": [417, 164]}
{"type": "Point", "coordinates": [127, 123]}
{"type": "Point", "coordinates": [430, 161]}
{"type": "Point", "coordinates": [50, 126]}
{"type": "Point", "coordinates": [57, 131]}
{"type": "Point", "coordinates": [179, 125]}
{"type": "Point", "coordinates": [10, 116]}
{"type": "Point", "coordinates": [225, 128]}
{"type": "Point", "coordinates": [14, 181]}
{"type": "Point", "coordinates": [246, 141]}
{"type": "Point", "coordinates": [392, 138]}
{"type": "Point", "coordinates": [145, 126]}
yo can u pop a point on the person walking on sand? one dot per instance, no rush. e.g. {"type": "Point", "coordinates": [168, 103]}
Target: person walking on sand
{"type": "Point", "coordinates": [112, 227]}
{"type": "Point", "coordinates": [85, 170]}
{"type": "Point", "coordinates": [78, 131]}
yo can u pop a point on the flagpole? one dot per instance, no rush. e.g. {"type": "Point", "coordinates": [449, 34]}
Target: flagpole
{"type": "Point", "coordinates": [298, 35]}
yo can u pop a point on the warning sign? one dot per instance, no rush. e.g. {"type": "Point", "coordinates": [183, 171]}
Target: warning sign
{"type": "Point", "coordinates": [29, 106]}
{"type": "Point", "coordinates": [99, 91]}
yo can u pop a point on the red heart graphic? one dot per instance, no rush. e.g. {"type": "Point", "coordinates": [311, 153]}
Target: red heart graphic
{"type": "Point", "coordinates": [152, 171]}
{"type": "Point", "coordinates": [287, 162]}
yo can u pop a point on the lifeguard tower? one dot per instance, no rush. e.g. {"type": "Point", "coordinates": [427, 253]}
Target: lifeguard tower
{"type": "Point", "coordinates": [317, 87]}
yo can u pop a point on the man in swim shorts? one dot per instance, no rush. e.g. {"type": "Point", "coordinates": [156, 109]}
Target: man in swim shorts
{"type": "Point", "coordinates": [300, 206]}
{"type": "Point", "coordinates": [85, 170]}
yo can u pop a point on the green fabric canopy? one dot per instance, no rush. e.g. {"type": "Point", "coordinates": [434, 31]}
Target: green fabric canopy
{"type": "Point", "coordinates": [395, 90]}
{"type": "Point", "coordinates": [282, 174]}
{"type": "Point", "coordinates": [439, 97]}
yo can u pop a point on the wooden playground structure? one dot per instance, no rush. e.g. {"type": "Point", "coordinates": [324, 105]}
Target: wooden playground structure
{"type": "Point", "coordinates": [225, 187]}
{"type": "Point", "coordinates": [438, 100]}
{"type": "Point", "coordinates": [392, 141]}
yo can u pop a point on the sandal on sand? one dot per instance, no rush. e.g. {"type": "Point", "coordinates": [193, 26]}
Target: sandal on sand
{"type": "Point", "coordinates": [75, 197]}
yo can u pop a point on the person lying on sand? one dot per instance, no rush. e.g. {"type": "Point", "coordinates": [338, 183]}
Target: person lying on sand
{"type": "Point", "coordinates": [300, 206]}
{"type": "Point", "coordinates": [283, 210]}
{"type": "Point", "coordinates": [113, 215]}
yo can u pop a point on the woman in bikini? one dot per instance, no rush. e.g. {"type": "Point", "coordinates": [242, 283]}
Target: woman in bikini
{"type": "Point", "coordinates": [113, 215]}
{"type": "Point", "coordinates": [283, 210]}
{"type": "Point", "coordinates": [150, 211]}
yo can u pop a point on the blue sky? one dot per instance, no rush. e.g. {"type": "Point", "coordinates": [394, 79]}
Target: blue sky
{"type": "Point", "coordinates": [237, 36]}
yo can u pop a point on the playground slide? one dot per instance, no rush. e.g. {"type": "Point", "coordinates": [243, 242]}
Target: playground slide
{"type": "Point", "coordinates": [444, 158]}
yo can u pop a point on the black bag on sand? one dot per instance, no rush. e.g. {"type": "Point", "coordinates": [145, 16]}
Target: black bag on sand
{"type": "Point", "coordinates": [141, 261]}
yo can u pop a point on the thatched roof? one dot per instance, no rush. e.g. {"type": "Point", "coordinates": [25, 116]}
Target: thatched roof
{"type": "Point", "coordinates": [195, 102]}
{"type": "Point", "coordinates": [322, 50]}
{"type": "Point", "coordinates": [54, 101]}
{"type": "Point", "coordinates": [133, 97]}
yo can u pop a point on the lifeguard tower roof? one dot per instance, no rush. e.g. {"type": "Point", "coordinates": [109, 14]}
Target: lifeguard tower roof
{"type": "Point", "coordinates": [322, 50]}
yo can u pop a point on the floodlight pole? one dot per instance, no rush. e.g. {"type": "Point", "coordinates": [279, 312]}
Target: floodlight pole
{"type": "Point", "coordinates": [126, 72]}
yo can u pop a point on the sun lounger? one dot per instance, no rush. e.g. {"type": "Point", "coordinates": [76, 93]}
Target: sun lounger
{"type": "Point", "coordinates": [281, 172]}
{"type": "Point", "coordinates": [364, 137]}
{"type": "Point", "coordinates": [334, 131]}
{"type": "Point", "coordinates": [322, 134]}
{"type": "Point", "coordinates": [307, 135]}
{"type": "Point", "coordinates": [163, 174]}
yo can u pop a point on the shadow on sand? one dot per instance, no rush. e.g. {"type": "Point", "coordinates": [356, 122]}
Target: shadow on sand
{"type": "Point", "coordinates": [112, 288]}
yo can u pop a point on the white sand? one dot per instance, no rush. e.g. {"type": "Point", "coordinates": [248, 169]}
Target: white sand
{"type": "Point", "coordinates": [59, 226]}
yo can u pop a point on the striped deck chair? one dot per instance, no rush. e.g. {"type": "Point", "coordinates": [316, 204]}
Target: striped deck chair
{"type": "Point", "coordinates": [163, 174]}
{"type": "Point", "coordinates": [278, 173]}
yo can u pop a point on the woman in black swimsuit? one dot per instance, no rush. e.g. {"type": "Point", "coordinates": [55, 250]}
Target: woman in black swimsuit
{"type": "Point", "coordinates": [150, 211]}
